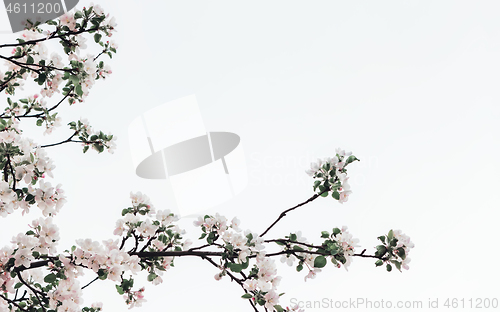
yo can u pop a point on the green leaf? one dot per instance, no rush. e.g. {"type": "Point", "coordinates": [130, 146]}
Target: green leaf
{"type": "Point", "coordinates": [316, 184]}
{"type": "Point", "coordinates": [103, 274]}
{"type": "Point", "coordinates": [151, 277]}
{"type": "Point", "coordinates": [350, 159]}
{"type": "Point", "coordinates": [319, 262]}
{"type": "Point", "coordinates": [79, 90]}
{"type": "Point", "coordinates": [119, 289]}
{"type": "Point", "coordinates": [336, 231]}
{"type": "Point", "coordinates": [390, 235]}
{"type": "Point", "coordinates": [247, 296]}
{"type": "Point", "coordinates": [382, 239]}
{"type": "Point", "coordinates": [74, 79]}
{"type": "Point", "coordinates": [401, 253]}
{"type": "Point", "coordinates": [336, 195]}
{"type": "Point", "coordinates": [39, 122]}
{"type": "Point", "coordinates": [389, 267]}
{"type": "Point", "coordinates": [50, 278]}
{"type": "Point", "coordinates": [85, 148]}
{"type": "Point", "coordinates": [299, 267]}
{"type": "Point", "coordinates": [397, 264]}
{"type": "Point", "coordinates": [381, 250]}
{"type": "Point", "coordinates": [18, 285]}
{"type": "Point", "coordinates": [41, 78]}
{"type": "Point", "coordinates": [325, 234]}
{"type": "Point", "coordinates": [30, 60]}
{"type": "Point", "coordinates": [278, 308]}
{"type": "Point", "coordinates": [379, 263]}
{"type": "Point", "coordinates": [244, 265]}
{"type": "Point", "coordinates": [235, 267]}
{"type": "Point", "coordinates": [293, 237]}
{"type": "Point", "coordinates": [97, 37]}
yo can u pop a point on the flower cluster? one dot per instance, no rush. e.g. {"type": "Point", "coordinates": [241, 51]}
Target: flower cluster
{"type": "Point", "coordinates": [25, 162]}
{"type": "Point", "coordinates": [156, 235]}
{"type": "Point", "coordinates": [92, 138]}
{"type": "Point", "coordinates": [394, 249]}
{"type": "Point", "coordinates": [49, 71]}
{"type": "Point", "coordinates": [338, 247]}
{"type": "Point", "coordinates": [331, 175]}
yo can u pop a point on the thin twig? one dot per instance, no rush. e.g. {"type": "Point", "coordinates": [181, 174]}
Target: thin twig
{"type": "Point", "coordinates": [283, 214]}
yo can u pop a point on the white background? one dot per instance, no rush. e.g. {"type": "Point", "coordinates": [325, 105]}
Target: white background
{"type": "Point", "coordinates": [411, 88]}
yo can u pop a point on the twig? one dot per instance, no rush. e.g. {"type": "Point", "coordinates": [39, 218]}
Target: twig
{"type": "Point", "coordinates": [283, 214]}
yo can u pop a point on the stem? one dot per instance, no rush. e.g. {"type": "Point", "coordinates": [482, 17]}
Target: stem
{"type": "Point", "coordinates": [35, 291]}
{"type": "Point", "coordinates": [53, 36]}
{"type": "Point", "coordinates": [283, 214]}
{"type": "Point", "coordinates": [95, 279]}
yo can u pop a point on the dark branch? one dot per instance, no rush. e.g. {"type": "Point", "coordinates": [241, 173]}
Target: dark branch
{"type": "Point", "coordinates": [283, 214]}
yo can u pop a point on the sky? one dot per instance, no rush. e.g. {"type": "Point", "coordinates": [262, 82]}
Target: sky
{"type": "Point", "coordinates": [410, 87]}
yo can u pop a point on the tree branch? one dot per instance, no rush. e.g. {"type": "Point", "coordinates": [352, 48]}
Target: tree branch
{"type": "Point", "coordinates": [53, 36]}
{"type": "Point", "coordinates": [283, 214]}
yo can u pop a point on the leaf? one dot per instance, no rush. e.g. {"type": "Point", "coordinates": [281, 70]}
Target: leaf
{"type": "Point", "coordinates": [325, 234]}
{"type": "Point", "coordinates": [379, 263]}
{"type": "Point", "coordinates": [390, 235]}
{"type": "Point", "coordinates": [316, 184]}
{"type": "Point", "coordinates": [336, 231]}
{"type": "Point", "coordinates": [381, 250]}
{"type": "Point", "coordinates": [151, 277]}
{"type": "Point", "coordinates": [336, 195]}
{"type": "Point", "coordinates": [30, 60]}
{"type": "Point", "coordinates": [401, 253]}
{"type": "Point", "coordinates": [247, 296]}
{"type": "Point", "coordinates": [293, 237]}
{"type": "Point", "coordinates": [350, 159]}
{"type": "Point", "coordinates": [235, 267]}
{"type": "Point", "coordinates": [97, 37]}
{"type": "Point", "coordinates": [278, 308]}
{"type": "Point", "coordinates": [119, 289]}
{"type": "Point", "coordinates": [389, 267]}
{"type": "Point", "coordinates": [319, 262]}
{"type": "Point", "coordinates": [397, 264]}
{"type": "Point", "coordinates": [79, 90]}
{"type": "Point", "coordinates": [41, 78]}
{"type": "Point", "coordinates": [299, 267]}
{"type": "Point", "coordinates": [50, 278]}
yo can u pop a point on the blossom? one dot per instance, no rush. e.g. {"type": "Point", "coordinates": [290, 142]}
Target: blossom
{"type": "Point", "coordinates": [312, 274]}
{"type": "Point", "coordinates": [68, 19]}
